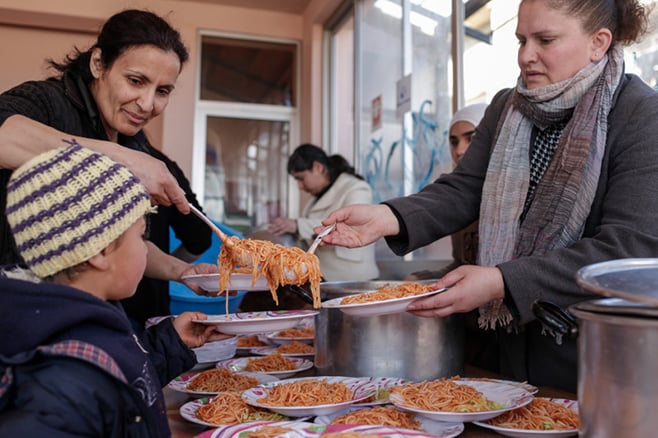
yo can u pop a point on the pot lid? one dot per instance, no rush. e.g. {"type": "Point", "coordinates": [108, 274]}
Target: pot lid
{"type": "Point", "coordinates": [631, 279]}
{"type": "Point", "coordinates": [615, 306]}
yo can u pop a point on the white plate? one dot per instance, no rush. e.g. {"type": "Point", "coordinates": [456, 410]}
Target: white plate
{"type": "Point", "coordinates": [383, 385]}
{"type": "Point", "coordinates": [524, 433]}
{"type": "Point", "coordinates": [238, 365]}
{"type": "Point", "coordinates": [310, 430]}
{"type": "Point", "coordinates": [276, 338]}
{"type": "Point", "coordinates": [266, 351]}
{"type": "Point", "coordinates": [440, 429]}
{"type": "Point", "coordinates": [256, 322]}
{"type": "Point", "coordinates": [509, 396]}
{"type": "Point", "coordinates": [361, 388]}
{"type": "Point", "coordinates": [188, 412]}
{"type": "Point", "coordinates": [212, 352]}
{"type": "Point", "coordinates": [299, 429]}
{"type": "Point", "coordinates": [180, 383]}
{"type": "Point", "coordinates": [239, 282]}
{"type": "Point", "coordinates": [376, 308]}
{"type": "Point", "coordinates": [532, 389]}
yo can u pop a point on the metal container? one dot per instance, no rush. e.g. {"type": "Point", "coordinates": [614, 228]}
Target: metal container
{"type": "Point", "coordinates": [618, 349]}
{"type": "Point", "coordinates": [397, 345]}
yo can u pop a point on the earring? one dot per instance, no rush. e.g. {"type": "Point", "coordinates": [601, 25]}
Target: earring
{"type": "Point", "coordinates": [596, 53]}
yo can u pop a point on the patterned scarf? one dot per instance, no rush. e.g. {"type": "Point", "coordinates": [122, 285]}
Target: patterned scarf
{"type": "Point", "coordinates": [563, 198]}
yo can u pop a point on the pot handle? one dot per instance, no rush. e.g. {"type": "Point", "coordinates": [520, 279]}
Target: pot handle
{"type": "Point", "coordinates": [557, 321]}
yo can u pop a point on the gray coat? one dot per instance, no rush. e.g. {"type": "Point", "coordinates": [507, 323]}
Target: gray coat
{"type": "Point", "coordinates": [623, 222]}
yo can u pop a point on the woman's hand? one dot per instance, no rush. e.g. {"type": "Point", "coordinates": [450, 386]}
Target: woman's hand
{"type": "Point", "coordinates": [199, 269]}
{"type": "Point", "coordinates": [469, 287]}
{"type": "Point", "coordinates": [360, 225]}
{"type": "Point", "coordinates": [282, 225]}
{"type": "Point", "coordinates": [194, 334]}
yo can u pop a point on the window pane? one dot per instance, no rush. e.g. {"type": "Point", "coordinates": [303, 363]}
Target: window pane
{"type": "Point", "coordinates": [246, 182]}
{"type": "Point", "coordinates": [247, 71]}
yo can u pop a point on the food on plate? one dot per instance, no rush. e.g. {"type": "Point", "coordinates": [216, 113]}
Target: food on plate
{"type": "Point", "coordinates": [271, 362]}
{"type": "Point", "coordinates": [311, 392]}
{"type": "Point", "coordinates": [539, 414]}
{"type": "Point", "coordinates": [279, 265]}
{"type": "Point", "coordinates": [444, 395]}
{"type": "Point", "coordinates": [307, 332]}
{"type": "Point", "coordinates": [267, 432]}
{"type": "Point", "coordinates": [220, 379]}
{"type": "Point", "coordinates": [295, 347]}
{"type": "Point", "coordinates": [381, 415]}
{"type": "Point", "coordinates": [250, 341]}
{"type": "Point", "coordinates": [388, 293]}
{"type": "Point", "coordinates": [229, 408]}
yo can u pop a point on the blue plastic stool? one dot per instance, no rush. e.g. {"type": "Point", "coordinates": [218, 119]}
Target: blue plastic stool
{"type": "Point", "coordinates": [184, 299]}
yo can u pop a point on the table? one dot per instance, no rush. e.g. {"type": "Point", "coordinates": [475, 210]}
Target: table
{"type": "Point", "coordinates": [181, 428]}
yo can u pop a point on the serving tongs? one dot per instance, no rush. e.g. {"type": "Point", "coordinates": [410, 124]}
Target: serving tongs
{"type": "Point", "coordinates": [222, 236]}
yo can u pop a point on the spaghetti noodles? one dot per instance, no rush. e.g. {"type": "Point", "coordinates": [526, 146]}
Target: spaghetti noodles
{"type": "Point", "coordinates": [250, 341]}
{"type": "Point", "coordinates": [271, 362]}
{"type": "Point", "coordinates": [220, 379]}
{"type": "Point", "coordinates": [312, 392]}
{"type": "Point", "coordinates": [278, 264]}
{"type": "Point", "coordinates": [307, 332]}
{"type": "Point", "coordinates": [539, 414]}
{"type": "Point", "coordinates": [388, 293]}
{"type": "Point", "coordinates": [444, 395]}
{"type": "Point", "coordinates": [295, 347]}
{"type": "Point", "coordinates": [381, 415]}
{"type": "Point", "coordinates": [268, 432]}
{"type": "Point", "coordinates": [229, 408]}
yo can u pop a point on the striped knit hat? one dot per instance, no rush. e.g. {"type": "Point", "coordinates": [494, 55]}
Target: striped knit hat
{"type": "Point", "coordinates": [67, 205]}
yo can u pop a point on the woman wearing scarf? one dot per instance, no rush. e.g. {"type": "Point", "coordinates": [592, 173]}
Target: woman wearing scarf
{"type": "Point", "coordinates": [562, 172]}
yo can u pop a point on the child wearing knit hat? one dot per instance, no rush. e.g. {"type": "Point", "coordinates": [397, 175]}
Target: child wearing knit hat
{"type": "Point", "coordinates": [70, 360]}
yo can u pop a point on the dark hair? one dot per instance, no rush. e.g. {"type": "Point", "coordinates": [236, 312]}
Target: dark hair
{"type": "Point", "coordinates": [304, 155]}
{"type": "Point", "coordinates": [126, 29]}
{"type": "Point", "coordinates": [627, 20]}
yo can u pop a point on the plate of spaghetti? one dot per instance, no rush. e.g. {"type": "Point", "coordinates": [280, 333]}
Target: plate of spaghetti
{"type": "Point", "coordinates": [237, 282]}
{"type": "Point", "coordinates": [452, 399]}
{"type": "Point", "coordinates": [273, 364]}
{"type": "Point", "coordinates": [245, 343]}
{"type": "Point", "coordinates": [248, 323]}
{"type": "Point", "coordinates": [265, 429]}
{"type": "Point", "coordinates": [382, 396]}
{"type": "Point", "coordinates": [542, 417]}
{"type": "Point", "coordinates": [294, 348]}
{"type": "Point", "coordinates": [384, 301]}
{"type": "Point", "coordinates": [309, 395]}
{"type": "Point", "coordinates": [299, 334]}
{"type": "Point", "coordinates": [224, 409]}
{"type": "Point", "coordinates": [392, 417]}
{"type": "Point", "coordinates": [217, 380]}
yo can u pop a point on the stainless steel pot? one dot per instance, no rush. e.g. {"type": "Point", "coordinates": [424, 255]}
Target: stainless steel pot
{"type": "Point", "coordinates": [617, 348]}
{"type": "Point", "coordinates": [398, 345]}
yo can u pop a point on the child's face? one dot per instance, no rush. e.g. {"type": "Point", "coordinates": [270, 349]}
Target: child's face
{"type": "Point", "coordinates": [129, 261]}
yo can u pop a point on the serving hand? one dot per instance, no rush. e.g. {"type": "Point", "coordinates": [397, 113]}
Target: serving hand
{"type": "Point", "coordinates": [469, 287]}
{"type": "Point", "coordinates": [360, 225]}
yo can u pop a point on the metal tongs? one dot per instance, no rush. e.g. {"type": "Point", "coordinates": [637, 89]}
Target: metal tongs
{"type": "Point", "coordinates": [222, 236]}
{"type": "Point", "coordinates": [319, 237]}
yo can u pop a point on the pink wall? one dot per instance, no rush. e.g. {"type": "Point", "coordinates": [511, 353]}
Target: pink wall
{"type": "Point", "coordinates": [32, 30]}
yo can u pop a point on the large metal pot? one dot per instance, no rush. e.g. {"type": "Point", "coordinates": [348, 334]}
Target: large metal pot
{"type": "Point", "coordinates": [617, 348]}
{"type": "Point", "coordinates": [397, 345]}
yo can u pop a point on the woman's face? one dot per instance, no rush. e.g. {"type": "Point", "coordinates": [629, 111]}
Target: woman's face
{"type": "Point", "coordinates": [314, 180]}
{"type": "Point", "coordinates": [134, 89]}
{"type": "Point", "coordinates": [552, 45]}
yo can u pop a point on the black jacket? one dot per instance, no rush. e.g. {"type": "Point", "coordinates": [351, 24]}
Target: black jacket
{"type": "Point", "coordinates": [71, 365]}
{"type": "Point", "coordinates": [67, 105]}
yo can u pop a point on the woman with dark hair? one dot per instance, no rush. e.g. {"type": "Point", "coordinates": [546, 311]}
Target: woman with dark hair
{"type": "Point", "coordinates": [103, 98]}
{"type": "Point", "coordinates": [333, 183]}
